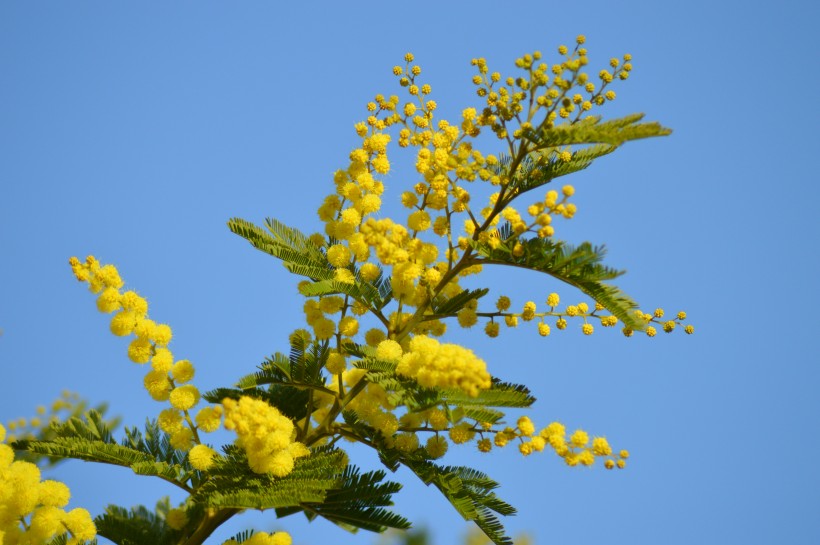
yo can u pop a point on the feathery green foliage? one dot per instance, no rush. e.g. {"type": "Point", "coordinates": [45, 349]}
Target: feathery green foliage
{"type": "Point", "coordinates": [384, 387]}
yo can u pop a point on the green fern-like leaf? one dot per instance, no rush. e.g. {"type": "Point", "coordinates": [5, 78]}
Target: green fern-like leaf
{"type": "Point", "coordinates": [483, 414]}
{"type": "Point", "coordinates": [500, 394]}
{"type": "Point", "coordinates": [90, 440]}
{"type": "Point", "coordinates": [135, 526]}
{"type": "Point", "coordinates": [541, 167]}
{"type": "Point", "coordinates": [358, 503]}
{"type": "Point", "coordinates": [232, 484]}
{"type": "Point", "coordinates": [448, 307]}
{"type": "Point", "coordinates": [579, 267]}
{"type": "Point", "coordinates": [592, 131]}
{"type": "Point", "coordinates": [469, 491]}
{"type": "Point", "coordinates": [299, 255]}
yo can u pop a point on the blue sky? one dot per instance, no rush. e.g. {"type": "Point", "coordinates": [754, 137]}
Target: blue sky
{"type": "Point", "coordinates": [134, 131]}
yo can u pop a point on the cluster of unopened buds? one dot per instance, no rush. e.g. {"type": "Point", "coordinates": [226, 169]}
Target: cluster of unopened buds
{"type": "Point", "coordinates": [166, 381]}
{"type": "Point", "coordinates": [580, 311]}
{"type": "Point", "coordinates": [576, 449]}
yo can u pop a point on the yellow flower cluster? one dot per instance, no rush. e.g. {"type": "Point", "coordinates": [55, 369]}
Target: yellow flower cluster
{"type": "Point", "coordinates": [31, 510]}
{"type": "Point", "coordinates": [265, 434]}
{"type": "Point", "coordinates": [437, 365]}
{"type": "Point", "coordinates": [166, 381]}
{"type": "Point", "coordinates": [372, 404]}
{"type": "Point", "coordinates": [580, 311]}
{"type": "Point", "coordinates": [576, 449]}
{"type": "Point", "coordinates": [656, 317]}
{"type": "Point", "coordinates": [544, 87]}
{"type": "Point", "coordinates": [264, 538]}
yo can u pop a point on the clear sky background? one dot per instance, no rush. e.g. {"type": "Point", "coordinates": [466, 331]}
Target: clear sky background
{"type": "Point", "coordinates": [133, 131]}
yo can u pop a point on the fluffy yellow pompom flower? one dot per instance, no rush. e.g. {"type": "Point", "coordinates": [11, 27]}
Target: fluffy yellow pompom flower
{"type": "Point", "coordinates": [344, 276]}
{"type": "Point", "coordinates": [436, 446]}
{"type": "Point", "coordinates": [324, 328]}
{"type": "Point", "coordinates": [208, 419]}
{"type": "Point", "coordinates": [579, 439]}
{"type": "Point", "coordinates": [389, 350]}
{"type": "Point", "coordinates": [265, 434]}
{"type": "Point", "coordinates": [182, 371]}
{"type": "Point", "coordinates": [503, 303]}
{"type": "Point", "coordinates": [144, 329]}
{"type": "Point", "coordinates": [162, 334]}
{"type": "Point", "coordinates": [170, 420]}
{"type": "Point", "coordinates": [163, 360]}
{"type": "Point", "coordinates": [529, 311]}
{"type": "Point", "coordinates": [201, 457]}
{"type": "Point", "coordinates": [81, 525]}
{"type": "Point", "coordinates": [109, 300]}
{"type": "Point", "coordinates": [184, 397]}
{"type": "Point", "coordinates": [331, 304]}
{"type": "Point", "coordinates": [348, 326]}
{"type": "Point", "coordinates": [526, 426]}
{"type": "Point", "coordinates": [467, 318]}
{"type": "Point", "coordinates": [369, 272]}
{"type": "Point", "coordinates": [600, 446]}
{"type": "Point", "coordinates": [123, 323]}
{"type": "Point", "coordinates": [437, 419]}
{"type": "Point", "coordinates": [374, 336]}
{"type": "Point", "coordinates": [158, 385]}
{"type": "Point", "coordinates": [407, 442]}
{"type": "Point", "coordinates": [335, 363]}
{"type": "Point", "coordinates": [338, 255]}
{"type": "Point", "coordinates": [131, 300]}
{"type": "Point", "coordinates": [140, 350]}
{"type": "Point", "coordinates": [434, 364]}
{"type": "Point", "coordinates": [54, 494]}
{"type": "Point", "coordinates": [492, 329]}
{"type": "Point", "coordinates": [461, 433]}
{"type": "Point", "coordinates": [419, 220]}
{"type": "Point", "coordinates": [109, 276]}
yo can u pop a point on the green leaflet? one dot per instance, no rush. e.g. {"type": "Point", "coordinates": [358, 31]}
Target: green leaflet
{"type": "Point", "coordinates": [363, 291]}
{"type": "Point", "coordinates": [483, 414]}
{"type": "Point", "coordinates": [136, 526]}
{"type": "Point", "coordinates": [592, 131]}
{"type": "Point", "coordinates": [442, 307]}
{"type": "Point", "coordinates": [232, 484]}
{"type": "Point", "coordinates": [298, 253]}
{"type": "Point", "coordinates": [579, 267]}
{"type": "Point", "coordinates": [500, 394]}
{"type": "Point", "coordinates": [469, 491]}
{"type": "Point", "coordinates": [358, 503]}
{"type": "Point", "coordinates": [47, 433]}
{"type": "Point", "coordinates": [91, 440]}
{"type": "Point", "coordinates": [541, 167]}
{"type": "Point", "coordinates": [320, 485]}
